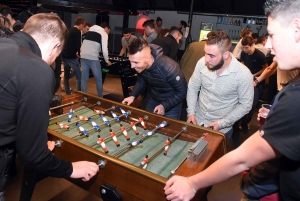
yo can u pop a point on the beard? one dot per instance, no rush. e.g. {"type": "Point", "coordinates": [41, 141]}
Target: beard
{"type": "Point", "coordinates": [217, 66]}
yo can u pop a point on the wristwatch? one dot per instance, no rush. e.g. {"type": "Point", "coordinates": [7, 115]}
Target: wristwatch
{"type": "Point", "coordinates": [256, 80]}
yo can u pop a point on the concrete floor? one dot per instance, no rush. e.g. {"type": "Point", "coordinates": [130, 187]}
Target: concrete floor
{"type": "Point", "coordinates": [60, 189]}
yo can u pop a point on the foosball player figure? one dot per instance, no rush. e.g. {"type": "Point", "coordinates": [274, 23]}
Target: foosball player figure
{"type": "Point", "coordinates": [114, 137]}
{"type": "Point", "coordinates": [132, 124]}
{"type": "Point", "coordinates": [115, 116]}
{"type": "Point", "coordinates": [145, 161]}
{"type": "Point", "coordinates": [123, 129]}
{"type": "Point", "coordinates": [99, 111]}
{"type": "Point", "coordinates": [142, 122]}
{"type": "Point", "coordinates": [83, 118]}
{"type": "Point", "coordinates": [62, 125]}
{"type": "Point", "coordinates": [71, 112]}
{"type": "Point", "coordinates": [123, 112]}
{"type": "Point", "coordinates": [105, 120]}
{"type": "Point", "coordinates": [167, 144]}
{"type": "Point", "coordinates": [96, 126]}
{"type": "Point", "coordinates": [82, 130]}
{"type": "Point", "coordinates": [102, 143]}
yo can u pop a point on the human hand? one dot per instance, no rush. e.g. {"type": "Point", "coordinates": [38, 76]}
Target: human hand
{"type": "Point", "coordinates": [254, 84]}
{"type": "Point", "coordinates": [178, 188]}
{"type": "Point", "coordinates": [214, 125]}
{"type": "Point", "coordinates": [51, 145]}
{"type": "Point", "coordinates": [84, 170]}
{"type": "Point", "coordinates": [128, 100]}
{"type": "Point", "coordinates": [159, 109]}
{"type": "Point", "coordinates": [192, 119]}
{"type": "Point", "coordinates": [262, 112]}
{"type": "Point", "coordinates": [108, 63]}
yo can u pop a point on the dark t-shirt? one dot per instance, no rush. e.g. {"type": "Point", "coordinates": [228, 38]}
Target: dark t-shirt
{"type": "Point", "coordinates": [168, 44]}
{"type": "Point", "coordinates": [282, 132]}
{"type": "Point", "coordinates": [73, 44]}
{"type": "Point", "coordinates": [254, 61]}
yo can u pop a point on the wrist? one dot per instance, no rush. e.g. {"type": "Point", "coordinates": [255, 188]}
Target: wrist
{"type": "Point", "coordinates": [191, 185]}
{"type": "Point", "coordinates": [256, 80]}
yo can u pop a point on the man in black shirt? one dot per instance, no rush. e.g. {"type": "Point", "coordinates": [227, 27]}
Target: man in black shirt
{"type": "Point", "coordinates": [280, 136]}
{"type": "Point", "coordinates": [26, 91]}
{"type": "Point", "coordinates": [70, 55]}
{"type": "Point", "coordinates": [169, 43]}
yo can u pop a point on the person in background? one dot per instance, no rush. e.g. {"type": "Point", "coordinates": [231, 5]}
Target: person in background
{"type": "Point", "coordinates": [238, 48]}
{"type": "Point", "coordinates": [70, 55]}
{"type": "Point", "coordinates": [85, 29]}
{"type": "Point", "coordinates": [182, 43]}
{"type": "Point", "coordinates": [6, 11]}
{"type": "Point", "coordinates": [169, 43]}
{"type": "Point", "coordinates": [96, 40]}
{"type": "Point", "coordinates": [25, 100]}
{"type": "Point", "coordinates": [167, 84]}
{"type": "Point", "coordinates": [260, 45]}
{"type": "Point", "coordinates": [150, 32]}
{"type": "Point", "coordinates": [126, 40]}
{"type": "Point", "coordinates": [163, 33]}
{"type": "Point", "coordinates": [5, 27]}
{"type": "Point", "coordinates": [158, 25]}
{"type": "Point", "coordinates": [279, 136]}
{"type": "Point", "coordinates": [255, 37]}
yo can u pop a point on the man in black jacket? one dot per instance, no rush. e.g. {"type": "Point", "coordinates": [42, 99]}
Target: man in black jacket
{"type": "Point", "coordinates": [26, 91]}
{"type": "Point", "coordinates": [163, 76]}
{"type": "Point", "coordinates": [169, 43]}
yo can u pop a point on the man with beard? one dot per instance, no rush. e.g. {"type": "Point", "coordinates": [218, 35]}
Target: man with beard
{"type": "Point", "coordinates": [225, 86]}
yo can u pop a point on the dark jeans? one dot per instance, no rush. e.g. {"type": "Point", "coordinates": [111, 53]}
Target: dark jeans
{"type": "Point", "coordinates": [6, 155]}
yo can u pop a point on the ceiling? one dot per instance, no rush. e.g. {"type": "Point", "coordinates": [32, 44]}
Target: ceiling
{"type": "Point", "coordinates": [231, 7]}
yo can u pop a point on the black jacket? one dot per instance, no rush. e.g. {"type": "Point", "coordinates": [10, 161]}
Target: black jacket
{"type": "Point", "coordinates": [166, 81]}
{"type": "Point", "coordinates": [168, 44]}
{"type": "Point", "coordinates": [26, 90]}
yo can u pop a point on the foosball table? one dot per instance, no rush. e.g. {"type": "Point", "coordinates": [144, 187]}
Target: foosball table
{"type": "Point", "coordinates": [137, 151]}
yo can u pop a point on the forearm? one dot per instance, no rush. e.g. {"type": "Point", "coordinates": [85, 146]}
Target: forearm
{"type": "Point", "coordinates": [122, 52]}
{"type": "Point", "coordinates": [268, 72]}
{"type": "Point", "coordinates": [258, 73]}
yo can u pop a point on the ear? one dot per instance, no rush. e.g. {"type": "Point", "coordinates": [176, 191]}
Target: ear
{"type": "Point", "coordinates": [55, 47]}
{"type": "Point", "coordinates": [226, 55]}
{"type": "Point", "coordinates": [296, 28]}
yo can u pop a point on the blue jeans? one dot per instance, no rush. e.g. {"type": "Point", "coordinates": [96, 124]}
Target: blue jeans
{"type": "Point", "coordinates": [173, 113]}
{"type": "Point", "coordinates": [95, 66]}
{"type": "Point", "coordinates": [229, 135]}
{"type": "Point", "coordinates": [74, 64]}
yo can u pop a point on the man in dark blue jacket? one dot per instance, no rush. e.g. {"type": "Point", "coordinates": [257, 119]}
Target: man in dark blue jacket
{"type": "Point", "coordinates": [160, 73]}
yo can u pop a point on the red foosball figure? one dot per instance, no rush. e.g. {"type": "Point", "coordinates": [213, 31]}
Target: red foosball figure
{"type": "Point", "coordinates": [123, 129]}
{"type": "Point", "coordinates": [114, 137]}
{"type": "Point", "coordinates": [98, 111]}
{"type": "Point", "coordinates": [167, 144]}
{"type": "Point", "coordinates": [142, 122]}
{"type": "Point", "coordinates": [145, 161]}
{"type": "Point", "coordinates": [102, 143]}
{"type": "Point", "coordinates": [83, 118]}
{"type": "Point", "coordinates": [134, 127]}
{"type": "Point", "coordinates": [62, 125]}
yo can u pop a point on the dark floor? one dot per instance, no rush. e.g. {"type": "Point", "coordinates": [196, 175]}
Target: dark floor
{"type": "Point", "coordinates": [61, 190]}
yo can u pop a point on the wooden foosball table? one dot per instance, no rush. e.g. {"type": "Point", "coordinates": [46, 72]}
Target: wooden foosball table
{"type": "Point", "coordinates": [136, 151]}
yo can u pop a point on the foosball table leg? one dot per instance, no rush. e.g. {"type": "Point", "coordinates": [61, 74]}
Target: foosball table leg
{"type": "Point", "coordinates": [30, 178]}
{"type": "Point", "coordinates": [110, 193]}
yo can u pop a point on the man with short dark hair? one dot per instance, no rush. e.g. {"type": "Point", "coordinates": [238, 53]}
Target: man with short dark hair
{"type": "Point", "coordinates": [158, 25]}
{"type": "Point", "coordinates": [182, 43]}
{"type": "Point", "coordinates": [96, 40]}
{"type": "Point", "coordinates": [162, 75]}
{"type": "Point", "coordinates": [126, 40]}
{"type": "Point", "coordinates": [7, 12]}
{"type": "Point", "coordinates": [220, 90]}
{"type": "Point", "coordinates": [169, 43]}
{"type": "Point", "coordinates": [279, 136]}
{"type": "Point", "coordinates": [70, 55]}
{"type": "Point", "coordinates": [150, 32]}
{"type": "Point", "coordinates": [26, 91]}
{"type": "Point", "coordinates": [260, 45]}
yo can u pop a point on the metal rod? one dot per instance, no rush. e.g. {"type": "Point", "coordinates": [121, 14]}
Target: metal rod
{"type": "Point", "coordinates": [60, 106]}
{"type": "Point", "coordinates": [173, 171]}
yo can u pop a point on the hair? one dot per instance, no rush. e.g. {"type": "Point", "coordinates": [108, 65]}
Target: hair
{"type": "Point", "coordinates": [219, 38]}
{"type": "Point", "coordinates": [79, 21]}
{"type": "Point", "coordinates": [162, 33]}
{"type": "Point", "coordinates": [46, 26]}
{"type": "Point", "coordinates": [5, 10]}
{"type": "Point", "coordinates": [158, 19]}
{"type": "Point", "coordinates": [149, 23]}
{"type": "Point", "coordinates": [285, 10]}
{"type": "Point", "coordinates": [104, 25]}
{"type": "Point", "coordinates": [261, 39]}
{"type": "Point", "coordinates": [184, 24]}
{"type": "Point", "coordinates": [126, 31]}
{"type": "Point", "coordinates": [4, 22]}
{"type": "Point", "coordinates": [255, 35]}
{"type": "Point", "coordinates": [247, 40]}
{"type": "Point", "coordinates": [87, 24]}
{"type": "Point", "coordinates": [245, 32]}
{"type": "Point", "coordinates": [175, 29]}
{"type": "Point", "coordinates": [137, 45]}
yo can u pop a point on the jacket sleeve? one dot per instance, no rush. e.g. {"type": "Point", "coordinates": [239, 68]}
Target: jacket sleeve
{"type": "Point", "coordinates": [177, 81]}
{"type": "Point", "coordinates": [139, 87]}
{"type": "Point", "coordinates": [35, 91]}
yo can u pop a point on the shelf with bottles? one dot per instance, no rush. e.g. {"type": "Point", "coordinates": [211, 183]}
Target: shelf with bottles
{"type": "Point", "coordinates": [225, 20]}
{"type": "Point", "coordinates": [234, 34]}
